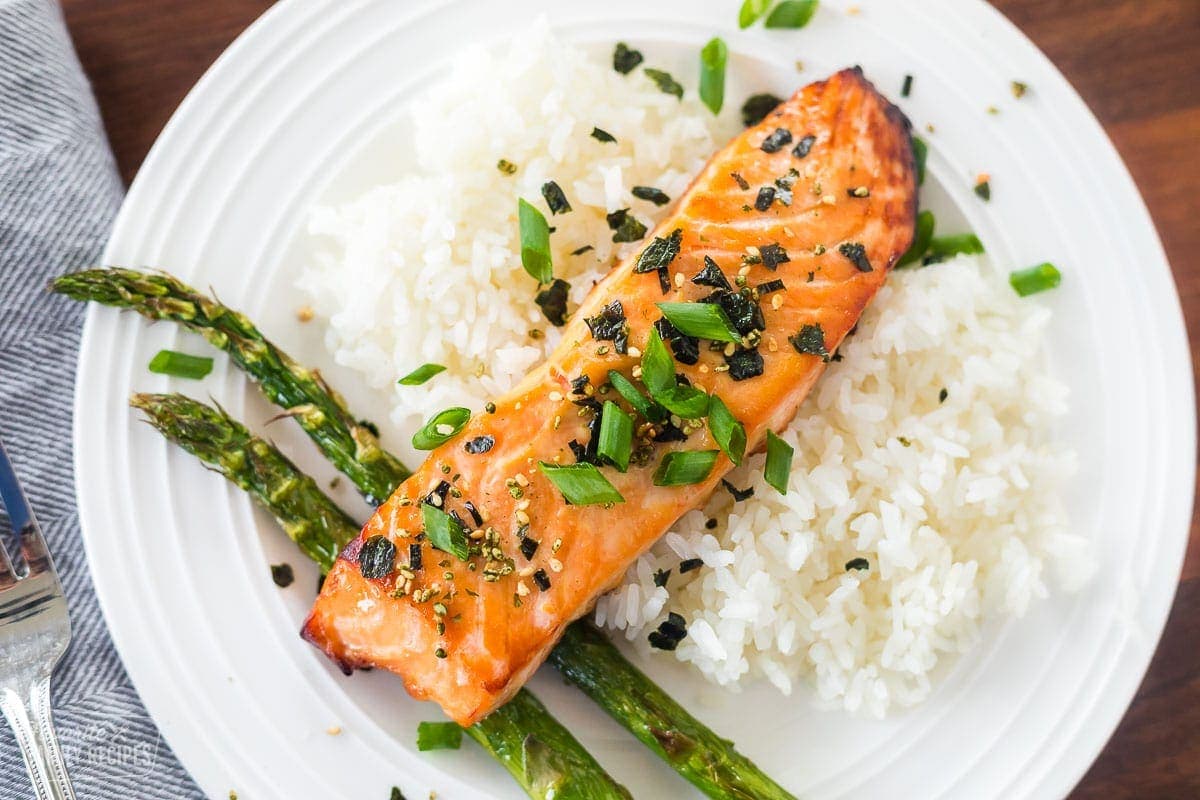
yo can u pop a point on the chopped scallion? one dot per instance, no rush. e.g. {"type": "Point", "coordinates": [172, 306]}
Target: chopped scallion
{"type": "Point", "coordinates": [445, 532]}
{"type": "Point", "coordinates": [727, 432]}
{"type": "Point", "coordinates": [581, 484]}
{"type": "Point", "coordinates": [442, 427]}
{"type": "Point", "coordinates": [438, 736]}
{"type": "Point", "coordinates": [942, 247]}
{"type": "Point", "coordinates": [779, 462]}
{"type": "Point", "coordinates": [616, 436]}
{"type": "Point", "coordinates": [634, 397]}
{"type": "Point", "coordinates": [687, 402]}
{"type": "Point", "coordinates": [685, 467]}
{"type": "Point", "coordinates": [750, 12]}
{"type": "Point", "coordinates": [535, 243]}
{"type": "Point", "coordinates": [921, 239]}
{"type": "Point", "coordinates": [792, 14]}
{"type": "Point", "coordinates": [702, 320]}
{"type": "Point", "coordinates": [712, 74]}
{"type": "Point", "coordinates": [658, 371]}
{"type": "Point", "coordinates": [1035, 279]}
{"type": "Point", "coordinates": [920, 153]}
{"type": "Point", "coordinates": [180, 365]}
{"type": "Point", "coordinates": [421, 374]}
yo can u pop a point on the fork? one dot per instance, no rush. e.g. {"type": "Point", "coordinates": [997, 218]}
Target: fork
{"type": "Point", "coordinates": [34, 633]}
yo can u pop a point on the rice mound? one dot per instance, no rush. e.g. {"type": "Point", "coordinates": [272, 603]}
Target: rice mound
{"type": "Point", "coordinates": [953, 503]}
{"type": "Point", "coordinates": [429, 270]}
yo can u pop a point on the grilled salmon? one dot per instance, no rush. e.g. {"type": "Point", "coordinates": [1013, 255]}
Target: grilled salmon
{"type": "Point", "coordinates": [466, 577]}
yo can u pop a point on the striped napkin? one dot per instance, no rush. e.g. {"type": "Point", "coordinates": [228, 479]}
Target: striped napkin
{"type": "Point", "coordinates": [59, 192]}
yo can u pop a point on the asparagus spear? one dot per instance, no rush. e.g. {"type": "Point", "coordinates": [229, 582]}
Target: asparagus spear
{"type": "Point", "coordinates": [544, 758]}
{"type": "Point", "coordinates": [321, 412]}
{"type": "Point", "coordinates": [588, 660]}
{"type": "Point", "coordinates": [107, 286]}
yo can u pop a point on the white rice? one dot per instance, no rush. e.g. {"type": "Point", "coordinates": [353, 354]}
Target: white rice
{"type": "Point", "coordinates": [954, 505]}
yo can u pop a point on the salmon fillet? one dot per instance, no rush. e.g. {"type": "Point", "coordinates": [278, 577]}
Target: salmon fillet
{"type": "Point", "coordinates": [837, 212]}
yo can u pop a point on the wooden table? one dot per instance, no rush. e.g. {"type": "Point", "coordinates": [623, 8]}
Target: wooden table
{"type": "Point", "coordinates": [1136, 63]}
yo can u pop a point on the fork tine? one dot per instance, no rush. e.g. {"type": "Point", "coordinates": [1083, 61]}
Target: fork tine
{"type": "Point", "coordinates": [7, 576]}
{"type": "Point", "coordinates": [33, 547]}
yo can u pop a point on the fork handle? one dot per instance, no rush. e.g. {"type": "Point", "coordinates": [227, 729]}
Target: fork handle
{"type": "Point", "coordinates": [33, 726]}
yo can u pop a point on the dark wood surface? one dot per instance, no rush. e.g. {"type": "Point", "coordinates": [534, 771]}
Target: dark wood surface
{"type": "Point", "coordinates": [1136, 63]}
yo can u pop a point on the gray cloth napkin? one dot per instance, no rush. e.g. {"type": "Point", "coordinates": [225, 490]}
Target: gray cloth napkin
{"type": "Point", "coordinates": [59, 192]}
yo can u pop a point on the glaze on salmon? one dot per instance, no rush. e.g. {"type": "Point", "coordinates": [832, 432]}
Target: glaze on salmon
{"type": "Point", "coordinates": [820, 195]}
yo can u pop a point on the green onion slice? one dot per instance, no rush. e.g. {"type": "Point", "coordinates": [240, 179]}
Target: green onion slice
{"type": "Point", "coordinates": [702, 320]}
{"type": "Point", "coordinates": [658, 370]}
{"type": "Point", "coordinates": [181, 365]}
{"type": "Point", "coordinates": [581, 484]}
{"type": "Point", "coordinates": [685, 467]}
{"type": "Point", "coordinates": [779, 462]}
{"type": "Point", "coordinates": [942, 247]}
{"type": "Point", "coordinates": [616, 436]}
{"type": "Point", "coordinates": [727, 432]}
{"type": "Point", "coordinates": [712, 74]}
{"type": "Point", "coordinates": [438, 736]}
{"type": "Point", "coordinates": [635, 398]}
{"type": "Point", "coordinates": [421, 374]}
{"type": "Point", "coordinates": [1035, 279]}
{"type": "Point", "coordinates": [920, 153]}
{"type": "Point", "coordinates": [792, 14]}
{"type": "Point", "coordinates": [685, 401]}
{"type": "Point", "coordinates": [921, 239]}
{"type": "Point", "coordinates": [750, 12]}
{"type": "Point", "coordinates": [442, 427]}
{"type": "Point", "coordinates": [444, 532]}
{"type": "Point", "coordinates": [535, 243]}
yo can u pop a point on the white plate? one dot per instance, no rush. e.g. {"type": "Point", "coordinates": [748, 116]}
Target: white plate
{"type": "Point", "coordinates": [303, 106]}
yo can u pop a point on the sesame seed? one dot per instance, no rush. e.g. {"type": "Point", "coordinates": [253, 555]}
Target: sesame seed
{"type": "Point", "coordinates": [636, 371]}
{"type": "Point", "coordinates": [305, 314]}
{"type": "Point", "coordinates": [334, 730]}
{"type": "Point", "coordinates": [557, 421]}
{"type": "Point", "coordinates": [524, 504]}
{"type": "Point", "coordinates": [704, 367]}
{"type": "Point", "coordinates": [829, 200]}
{"type": "Point", "coordinates": [555, 397]}
{"type": "Point", "coordinates": [522, 588]}
{"type": "Point", "coordinates": [555, 565]}
{"type": "Point", "coordinates": [443, 429]}
{"type": "Point", "coordinates": [777, 302]}
{"type": "Point", "coordinates": [634, 352]}
{"type": "Point", "coordinates": [521, 480]}
{"type": "Point", "coordinates": [678, 280]}
{"type": "Point", "coordinates": [730, 349]}
{"type": "Point", "coordinates": [772, 345]}
{"type": "Point", "coordinates": [753, 251]}
{"type": "Point", "coordinates": [525, 572]}
{"type": "Point", "coordinates": [522, 518]}
{"type": "Point", "coordinates": [557, 544]}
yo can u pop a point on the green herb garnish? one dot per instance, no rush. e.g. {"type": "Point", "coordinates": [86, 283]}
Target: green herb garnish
{"type": "Point", "coordinates": [625, 226]}
{"type": "Point", "coordinates": [601, 135]}
{"type": "Point", "coordinates": [702, 320]}
{"type": "Point", "coordinates": [727, 432]}
{"type": "Point", "coordinates": [856, 254]}
{"type": "Point", "coordinates": [779, 462]}
{"type": "Point", "coordinates": [983, 190]}
{"type": "Point", "coordinates": [421, 374]}
{"type": "Point", "coordinates": [810, 340]}
{"type": "Point", "coordinates": [581, 484]}
{"type": "Point", "coordinates": [377, 557]}
{"type": "Point", "coordinates": [943, 247]}
{"type": "Point", "coordinates": [1035, 279]}
{"type": "Point", "coordinates": [555, 199]}
{"type": "Point", "coordinates": [751, 11]}
{"type": "Point", "coordinates": [685, 467]}
{"type": "Point", "coordinates": [442, 427]}
{"type": "Point", "coordinates": [445, 532]}
{"type": "Point", "coordinates": [906, 89]}
{"type": "Point", "coordinates": [664, 82]}
{"type": "Point", "coordinates": [553, 301]}
{"type": "Point", "coordinates": [506, 166]}
{"type": "Point", "coordinates": [634, 397]}
{"type": "Point", "coordinates": [712, 74]}
{"type": "Point", "coordinates": [658, 371]}
{"type": "Point", "coordinates": [1019, 89]}
{"type": "Point", "coordinates": [625, 58]}
{"type": "Point", "coordinates": [756, 108]}
{"type": "Point", "coordinates": [792, 14]}
{"type": "Point", "coordinates": [616, 436]}
{"type": "Point", "coordinates": [535, 243]}
{"type": "Point", "coordinates": [649, 193]}
{"type": "Point", "coordinates": [180, 365]}
{"type": "Point", "coordinates": [921, 239]}
{"type": "Point", "coordinates": [438, 736]}
{"type": "Point", "coordinates": [920, 153]}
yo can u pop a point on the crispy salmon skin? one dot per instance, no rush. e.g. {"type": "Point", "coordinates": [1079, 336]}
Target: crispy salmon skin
{"type": "Point", "coordinates": [801, 216]}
